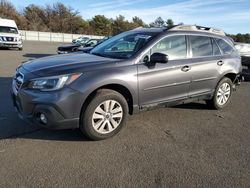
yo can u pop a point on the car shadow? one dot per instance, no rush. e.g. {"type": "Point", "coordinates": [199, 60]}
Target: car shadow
{"type": "Point", "coordinates": [35, 56]}
{"type": "Point", "coordinates": [73, 135]}
{"type": "Point", "coordinates": [193, 106]}
{"type": "Point", "coordinates": [8, 49]}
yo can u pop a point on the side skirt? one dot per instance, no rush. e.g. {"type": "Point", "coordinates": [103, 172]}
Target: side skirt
{"type": "Point", "coordinates": [163, 104]}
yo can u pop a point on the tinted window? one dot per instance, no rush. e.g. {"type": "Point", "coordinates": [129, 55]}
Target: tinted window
{"type": "Point", "coordinates": [224, 46]}
{"type": "Point", "coordinates": [201, 46]}
{"type": "Point", "coordinates": [216, 50]}
{"type": "Point", "coordinates": [175, 47]}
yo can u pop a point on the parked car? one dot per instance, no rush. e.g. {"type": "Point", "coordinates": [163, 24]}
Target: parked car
{"type": "Point", "coordinates": [10, 37]}
{"type": "Point", "coordinates": [244, 50]}
{"type": "Point", "coordinates": [81, 40]}
{"type": "Point", "coordinates": [95, 92]}
{"type": "Point", "coordinates": [88, 49]}
{"type": "Point", "coordinates": [75, 47]}
{"type": "Point", "coordinates": [82, 48]}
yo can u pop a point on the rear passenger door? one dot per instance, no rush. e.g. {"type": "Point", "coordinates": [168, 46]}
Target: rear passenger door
{"type": "Point", "coordinates": [205, 64]}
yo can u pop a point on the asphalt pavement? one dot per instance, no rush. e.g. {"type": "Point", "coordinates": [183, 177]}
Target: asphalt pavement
{"type": "Point", "coordinates": [183, 146]}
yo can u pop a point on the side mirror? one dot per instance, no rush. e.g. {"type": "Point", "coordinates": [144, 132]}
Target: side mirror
{"type": "Point", "coordinates": [158, 58]}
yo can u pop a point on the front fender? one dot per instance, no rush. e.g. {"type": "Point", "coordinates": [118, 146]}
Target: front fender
{"type": "Point", "coordinates": [125, 76]}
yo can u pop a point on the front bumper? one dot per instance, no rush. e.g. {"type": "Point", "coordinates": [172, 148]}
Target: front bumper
{"type": "Point", "coordinates": [11, 44]}
{"type": "Point", "coordinates": [61, 108]}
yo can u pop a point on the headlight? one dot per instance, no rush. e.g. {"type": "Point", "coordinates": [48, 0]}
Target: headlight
{"type": "Point", "coordinates": [1, 39]}
{"type": "Point", "coordinates": [52, 83]}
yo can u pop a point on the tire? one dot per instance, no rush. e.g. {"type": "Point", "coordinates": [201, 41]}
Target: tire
{"type": "Point", "coordinates": [222, 95]}
{"type": "Point", "coordinates": [20, 49]}
{"type": "Point", "coordinates": [98, 121]}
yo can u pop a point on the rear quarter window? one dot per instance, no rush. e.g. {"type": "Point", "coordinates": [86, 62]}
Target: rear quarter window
{"type": "Point", "coordinates": [216, 50]}
{"type": "Point", "coordinates": [225, 47]}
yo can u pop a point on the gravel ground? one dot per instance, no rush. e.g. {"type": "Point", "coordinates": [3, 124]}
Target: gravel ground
{"type": "Point", "coordinates": [184, 146]}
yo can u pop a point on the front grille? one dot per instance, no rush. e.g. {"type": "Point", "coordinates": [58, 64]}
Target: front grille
{"type": "Point", "coordinates": [8, 39]}
{"type": "Point", "coordinates": [17, 81]}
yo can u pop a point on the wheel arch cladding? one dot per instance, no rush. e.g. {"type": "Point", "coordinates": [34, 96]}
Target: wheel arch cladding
{"type": "Point", "coordinates": [231, 76]}
{"type": "Point", "coordinates": [124, 91]}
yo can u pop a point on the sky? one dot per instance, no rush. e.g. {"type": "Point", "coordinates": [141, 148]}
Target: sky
{"type": "Point", "coordinates": [233, 16]}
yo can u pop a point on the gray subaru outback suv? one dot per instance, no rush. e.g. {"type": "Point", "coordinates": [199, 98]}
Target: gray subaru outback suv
{"type": "Point", "coordinates": [129, 73]}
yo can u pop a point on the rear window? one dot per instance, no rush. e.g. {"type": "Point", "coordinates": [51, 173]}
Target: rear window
{"type": "Point", "coordinates": [201, 46]}
{"type": "Point", "coordinates": [224, 46]}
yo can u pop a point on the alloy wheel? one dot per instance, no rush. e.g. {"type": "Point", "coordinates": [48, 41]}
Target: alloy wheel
{"type": "Point", "coordinates": [223, 94]}
{"type": "Point", "coordinates": [107, 116]}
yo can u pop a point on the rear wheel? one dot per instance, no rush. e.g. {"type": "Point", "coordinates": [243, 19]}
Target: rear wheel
{"type": "Point", "coordinates": [104, 115]}
{"type": "Point", "coordinates": [222, 94]}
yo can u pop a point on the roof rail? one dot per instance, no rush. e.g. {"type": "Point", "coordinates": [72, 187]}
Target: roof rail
{"type": "Point", "coordinates": [199, 28]}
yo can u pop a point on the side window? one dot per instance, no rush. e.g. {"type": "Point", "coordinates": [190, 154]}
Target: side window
{"type": "Point", "coordinates": [175, 47]}
{"type": "Point", "coordinates": [201, 46]}
{"type": "Point", "coordinates": [216, 50]}
{"type": "Point", "coordinates": [224, 46]}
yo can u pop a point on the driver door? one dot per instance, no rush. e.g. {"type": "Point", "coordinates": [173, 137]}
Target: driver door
{"type": "Point", "coordinates": [165, 82]}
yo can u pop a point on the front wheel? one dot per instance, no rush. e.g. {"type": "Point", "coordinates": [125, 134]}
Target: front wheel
{"type": "Point", "coordinates": [104, 115]}
{"type": "Point", "coordinates": [222, 94]}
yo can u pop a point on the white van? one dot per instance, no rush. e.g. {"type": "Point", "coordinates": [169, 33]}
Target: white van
{"type": "Point", "coordinates": [10, 37]}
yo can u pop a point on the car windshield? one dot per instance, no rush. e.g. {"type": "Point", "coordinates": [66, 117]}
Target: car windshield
{"type": "Point", "coordinates": [8, 30]}
{"type": "Point", "coordinates": [122, 46]}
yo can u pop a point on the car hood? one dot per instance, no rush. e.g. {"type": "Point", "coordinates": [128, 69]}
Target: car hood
{"type": "Point", "coordinates": [66, 64]}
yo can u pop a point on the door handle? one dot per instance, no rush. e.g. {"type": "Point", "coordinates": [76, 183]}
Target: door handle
{"type": "Point", "coordinates": [186, 68]}
{"type": "Point", "coordinates": [220, 63]}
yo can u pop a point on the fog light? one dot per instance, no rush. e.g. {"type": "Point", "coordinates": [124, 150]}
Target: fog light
{"type": "Point", "coordinates": [43, 119]}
